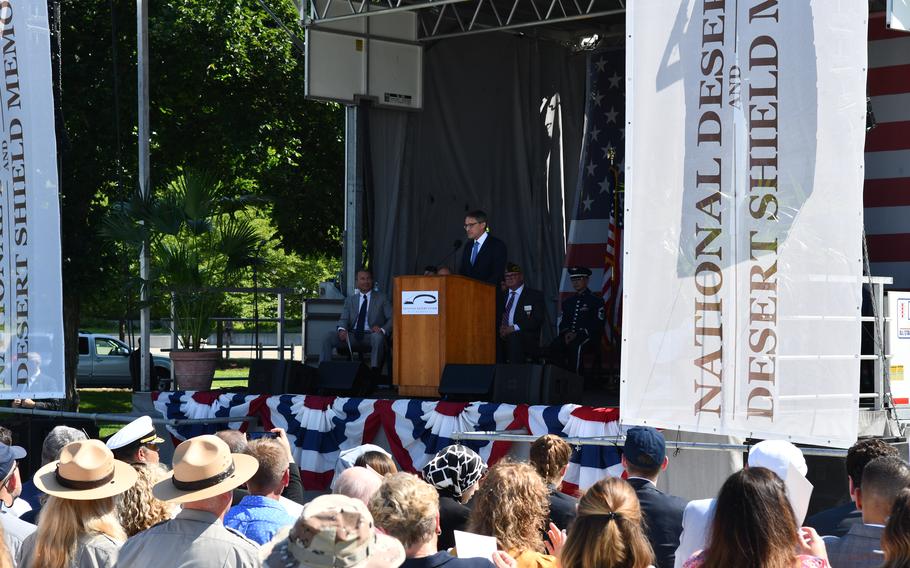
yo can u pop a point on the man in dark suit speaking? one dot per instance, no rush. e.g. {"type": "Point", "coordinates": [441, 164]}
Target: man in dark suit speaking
{"type": "Point", "coordinates": [366, 320]}
{"type": "Point", "coordinates": [521, 319]}
{"type": "Point", "coordinates": [483, 256]}
{"type": "Point", "coordinates": [644, 456]}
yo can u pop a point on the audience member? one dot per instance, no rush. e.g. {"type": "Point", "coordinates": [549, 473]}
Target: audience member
{"type": "Point", "coordinates": [79, 525]}
{"type": "Point", "coordinates": [333, 530]}
{"type": "Point", "coordinates": [259, 516]}
{"type": "Point", "coordinates": [896, 536]}
{"type": "Point", "coordinates": [15, 529]}
{"type": "Point", "coordinates": [754, 527]}
{"type": "Point", "coordinates": [511, 505]}
{"type": "Point", "coordinates": [454, 471]}
{"type": "Point", "coordinates": [137, 508]}
{"type": "Point", "coordinates": [292, 497]}
{"type": "Point", "coordinates": [53, 444]}
{"type": "Point", "coordinates": [776, 455]}
{"type": "Point", "coordinates": [550, 457]}
{"type": "Point", "coordinates": [6, 561]}
{"type": "Point", "coordinates": [883, 479]}
{"type": "Point", "coordinates": [348, 458]}
{"type": "Point", "coordinates": [137, 442]}
{"type": "Point", "coordinates": [408, 509]}
{"type": "Point", "coordinates": [608, 531]}
{"type": "Point", "coordinates": [644, 456]}
{"type": "Point", "coordinates": [20, 506]}
{"type": "Point", "coordinates": [205, 471]}
{"type": "Point", "coordinates": [358, 483]}
{"type": "Point", "coordinates": [837, 521]}
{"type": "Point", "coordinates": [380, 462]}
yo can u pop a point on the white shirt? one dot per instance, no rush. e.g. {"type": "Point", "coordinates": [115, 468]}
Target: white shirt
{"type": "Point", "coordinates": [480, 241]}
{"type": "Point", "coordinates": [517, 293]}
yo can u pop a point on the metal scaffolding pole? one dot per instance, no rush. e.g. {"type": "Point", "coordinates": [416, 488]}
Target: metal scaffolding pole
{"type": "Point", "coordinates": [142, 48]}
{"type": "Point", "coordinates": [353, 197]}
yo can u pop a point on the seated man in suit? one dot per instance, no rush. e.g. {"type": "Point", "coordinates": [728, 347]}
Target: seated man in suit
{"type": "Point", "coordinates": [483, 256]}
{"type": "Point", "coordinates": [365, 321]}
{"type": "Point", "coordinates": [522, 318]}
{"type": "Point", "coordinates": [582, 321]}
{"type": "Point", "coordinates": [644, 457]}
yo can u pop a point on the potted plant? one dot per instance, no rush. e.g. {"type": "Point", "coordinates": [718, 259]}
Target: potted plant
{"type": "Point", "coordinates": [200, 243]}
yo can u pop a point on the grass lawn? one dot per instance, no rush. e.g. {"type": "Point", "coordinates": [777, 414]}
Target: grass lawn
{"type": "Point", "coordinates": [118, 401]}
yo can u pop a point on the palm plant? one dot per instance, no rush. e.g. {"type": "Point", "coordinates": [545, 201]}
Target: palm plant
{"type": "Point", "coordinates": [199, 244]}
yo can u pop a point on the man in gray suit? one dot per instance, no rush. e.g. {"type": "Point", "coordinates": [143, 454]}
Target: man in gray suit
{"type": "Point", "coordinates": [861, 547]}
{"type": "Point", "coordinates": [365, 321]}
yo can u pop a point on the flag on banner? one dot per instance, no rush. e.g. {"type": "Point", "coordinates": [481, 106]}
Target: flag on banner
{"type": "Point", "coordinates": [886, 192]}
{"type": "Point", "coordinates": [595, 232]}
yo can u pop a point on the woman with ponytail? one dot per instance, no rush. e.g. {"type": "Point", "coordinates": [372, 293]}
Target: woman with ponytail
{"type": "Point", "coordinates": [607, 533]}
{"type": "Point", "coordinates": [550, 457]}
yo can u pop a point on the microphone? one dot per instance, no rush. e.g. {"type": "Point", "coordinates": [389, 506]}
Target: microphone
{"type": "Point", "coordinates": [455, 246]}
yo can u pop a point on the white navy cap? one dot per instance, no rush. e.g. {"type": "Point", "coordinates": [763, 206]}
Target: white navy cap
{"type": "Point", "coordinates": [139, 430]}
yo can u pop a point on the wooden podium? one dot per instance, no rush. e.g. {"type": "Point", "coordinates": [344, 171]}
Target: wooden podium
{"type": "Point", "coordinates": [461, 330]}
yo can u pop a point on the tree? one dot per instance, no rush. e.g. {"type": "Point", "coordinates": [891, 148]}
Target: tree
{"type": "Point", "coordinates": [226, 93]}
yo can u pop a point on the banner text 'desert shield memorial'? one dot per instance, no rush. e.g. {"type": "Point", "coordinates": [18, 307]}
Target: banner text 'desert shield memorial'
{"type": "Point", "coordinates": [744, 156]}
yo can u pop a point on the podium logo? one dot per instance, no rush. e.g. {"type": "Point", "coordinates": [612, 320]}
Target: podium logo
{"type": "Point", "coordinates": [420, 302]}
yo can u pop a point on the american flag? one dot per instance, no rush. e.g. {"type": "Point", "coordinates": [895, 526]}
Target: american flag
{"type": "Point", "coordinates": [886, 193]}
{"type": "Point", "coordinates": [595, 232]}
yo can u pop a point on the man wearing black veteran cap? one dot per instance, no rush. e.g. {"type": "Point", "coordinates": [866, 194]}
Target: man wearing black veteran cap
{"type": "Point", "coordinates": [644, 456]}
{"type": "Point", "coordinates": [521, 319]}
{"type": "Point", "coordinates": [582, 321]}
{"type": "Point", "coordinates": [204, 475]}
{"type": "Point", "coordinates": [15, 530]}
{"type": "Point", "coordinates": [137, 442]}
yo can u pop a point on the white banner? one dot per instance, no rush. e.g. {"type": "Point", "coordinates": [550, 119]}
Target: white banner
{"type": "Point", "coordinates": [744, 176]}
{"type": "Point", "coordinates": [31, 312]}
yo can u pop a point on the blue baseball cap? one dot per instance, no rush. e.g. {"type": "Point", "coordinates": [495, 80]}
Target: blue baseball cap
{"type": "Point", "coordinates": [8, 457]}
{"type": "Point", "coordinates": [645, 447]}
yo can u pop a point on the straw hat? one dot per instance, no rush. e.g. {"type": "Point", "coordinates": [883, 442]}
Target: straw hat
{"type": "Point", "coordinates": [86, 470]}
{"type": "Point", "coordinates": [204, 467]}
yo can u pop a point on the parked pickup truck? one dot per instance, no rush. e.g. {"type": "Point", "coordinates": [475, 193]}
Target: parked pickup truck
{"type": "Point", "coordinates": [104, 361]}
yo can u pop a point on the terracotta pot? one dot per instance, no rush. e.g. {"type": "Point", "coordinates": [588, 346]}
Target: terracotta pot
{"type": "Point", "coordinates": [194, 370]}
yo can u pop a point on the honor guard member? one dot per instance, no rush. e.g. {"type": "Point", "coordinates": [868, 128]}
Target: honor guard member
{"type": "Point", "coordinates": [137, 442]}
{"type": "Point", "coordinates": [582, 321]}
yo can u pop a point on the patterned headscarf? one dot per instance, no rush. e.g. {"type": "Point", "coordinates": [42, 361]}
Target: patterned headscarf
{"type": "Point", "coordinates": [454, 470]}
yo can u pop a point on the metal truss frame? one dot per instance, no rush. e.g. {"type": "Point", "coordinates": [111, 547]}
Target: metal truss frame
{"type": "Point", "coordinates": [439, 19]}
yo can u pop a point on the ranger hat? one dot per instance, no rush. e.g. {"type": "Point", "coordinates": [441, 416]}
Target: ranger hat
{"type": "Point", "coordinates": [85, 471]}
{"type": "Point", "coordinates": [139, 431]}
{"type": "Point", "coordinates": [204, 467]}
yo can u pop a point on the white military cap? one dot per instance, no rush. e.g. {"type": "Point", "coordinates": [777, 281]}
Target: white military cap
{"type": "Point", "coordinates": [139, 430]}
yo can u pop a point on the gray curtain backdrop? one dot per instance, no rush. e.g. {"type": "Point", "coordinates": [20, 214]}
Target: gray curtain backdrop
{"type": "Point", "coordinates": [501, 130]}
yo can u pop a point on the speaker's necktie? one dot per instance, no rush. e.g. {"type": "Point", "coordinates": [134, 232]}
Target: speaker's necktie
{"type": "Point", "coordinates": [474, 252]}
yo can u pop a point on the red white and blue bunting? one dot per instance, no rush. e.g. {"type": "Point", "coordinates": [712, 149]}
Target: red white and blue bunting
{"type": "Point", "coordinates": [319, 428]}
